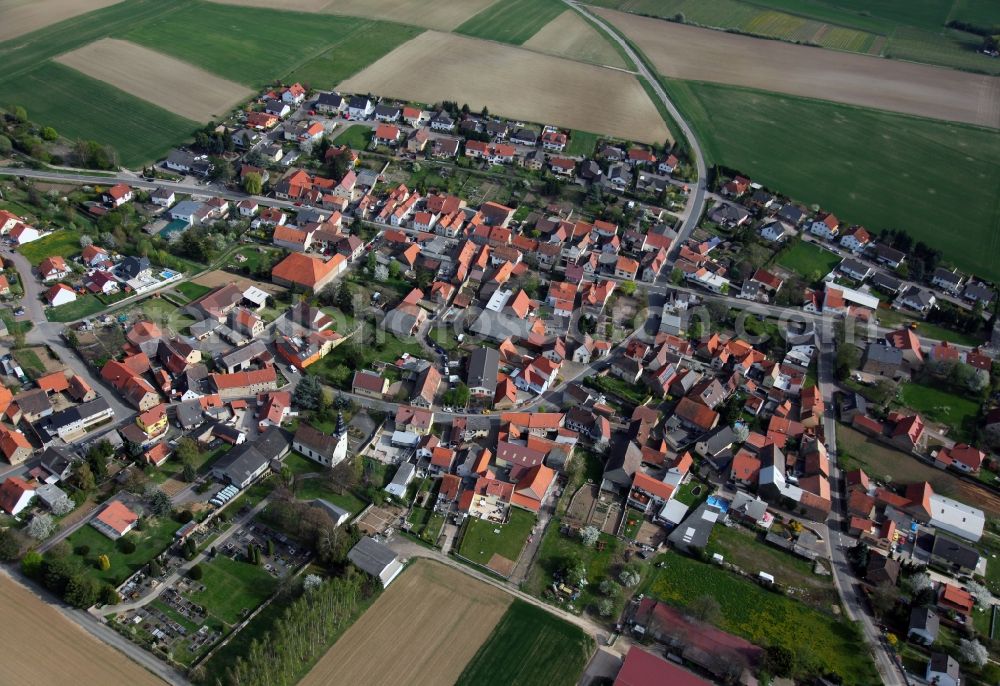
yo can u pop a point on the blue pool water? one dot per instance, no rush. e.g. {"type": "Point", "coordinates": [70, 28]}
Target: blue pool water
{"type": "Point", "coordinates": [167, 274]}
{"type": "Point", "coordinates": [720, 503]}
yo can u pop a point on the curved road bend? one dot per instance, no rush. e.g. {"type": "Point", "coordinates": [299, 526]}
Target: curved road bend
{"type": "Point", "coordinates": [696, 203]}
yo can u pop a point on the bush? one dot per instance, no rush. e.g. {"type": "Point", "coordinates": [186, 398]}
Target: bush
{"type": "Point", "coordinates": [195, 573]}
{"type": "Point", "coordinates": [185, 516]}
{"type": "Point", "coordinates": [126, 545]}
{"type": "Point", "coordinates": [82, 550]}
{"type": "Point", "coordinates": [104, 563]}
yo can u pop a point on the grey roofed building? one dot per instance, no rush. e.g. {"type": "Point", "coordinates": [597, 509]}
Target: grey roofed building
{"type": "Point", "coordinates": [955, 554]}
{"type": "Point", "coordinates": [189, 414]}
{"type": "Point", "coordinates": [331, 101]}
{"type": "Point", "coordinates": [882, 359]}
{"type": "Point", "coordinates": [58, 461]}
{"type": "Point", "coordinates": [917, 298]}
{"type": "Point", "coordinates": [717, 442]}
{"type": "Point", "coordinates": [888, 255]}
{"type": "Point", "coordinates": [942, 664]}
{"type": "Point", "coordinates": [205, 327]}
{"type": "Point", "coordinates": [376, 559]}
{"type": "Point", "coordinates": [694, 532]}
{"type": "Point", "coordinates": [855, 268]}
{"type": "Point", "coordinates": [34, 402]}
{"type": "Point", "coordinates": [496, 326]}
{"type": "Point", "coordinates": [247, 461]}
{"type": "Point", "coordinates": [484, 363]}
{"type": "Point", "coordinates": [241, 357]}
{"type": "Point", "coordinates": [729, 215]}
{"type": "Point", "coordinates": [82, 415]}
{"type": "Point", "coordinates": [943, 276]}
{"type": "Point", "coordinates": [978, 292]}
{"type": "Point", "coordinates": [359, 102]}
{"type": "Point", "coordinates": [886, 282]}
{"type": "Point", "coordinates": [338, 514]}
{"type": "Point", "coordinates": [924, 624]}
{"type": "Point", "coordinates": [387, 111]}
{"type": "Point", "coordinates": [404, 475]}
{"type": "Point", "coordinates": [50, 494]}
{"type": "Point", "coordinates": [132, 266]}
{"type": "Point", "coordinates": [791, 214]}
{"type": "Point", "coordinates": [525, 136]}
{"type": "Point", "coordinates": [626, 458]}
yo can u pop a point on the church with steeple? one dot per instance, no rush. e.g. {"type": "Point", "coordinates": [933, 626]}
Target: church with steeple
{"type": "Point", "coordinates": [326, 449]}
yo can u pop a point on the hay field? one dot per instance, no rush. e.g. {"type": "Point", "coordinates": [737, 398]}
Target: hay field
{"type": "Point", "coordinates": [427, 13]}
{"type": "Point", "coordinates": [515, 83]}
{"type": "Point", "coordinates": [569, 35]}
{"type": "Point", "coordinates": [421, 631]}
{"type": "Point", "coordinates": [165, 81]}
{"type": "Point", "coordinates": [18, 17]}
{"type": "Point", "coordinates": [695, 54]}
{"type": "Point", "coordinates": [33, 632]}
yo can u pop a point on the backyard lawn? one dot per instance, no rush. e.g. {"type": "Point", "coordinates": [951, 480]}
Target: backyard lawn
{"type": "Point", "coordinates": [943, 407]}
{"type": "Point", "coordinates": [808, 260]}
{"type": "Point", "coordinates": [191, 290]}
{"type": "Point", "coordinates": [633, 522]}
{"type": "Point", "coordinates": [481, 540]}
{"type": "Point", "coordinates": [356, 136]}
{"type": "Point", "coordinates": [300, 464]}
{"type": "Point", "coordinates": [232, 588]}
{"type": "Point", "coordinates": [29, 361]}
{"type": "Point", "coordinates": [548, 650]}
{"type": "Point", "coordinates": [63, 242]}
{"type": "Point", "coordinates": [78, 309]}
{"type": "Point", "coordinates": [556, 547]}
{"type": "Point", "coordinates": [581, 143]}
{"type": "Point", "coordinates": [310, 489]}
{"type": "Point", "coordinates": [765, 617]}
{"type": "Point", "coordinates": [426, 524]}
{"type": "Point", "coordinates": [743, 548]}
{"type": "Point", "coordinates": [155, 536]}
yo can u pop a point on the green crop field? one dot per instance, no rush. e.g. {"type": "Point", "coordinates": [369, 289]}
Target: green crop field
{"type": "Point", "coordinates": [764, 617]}
{"type": "Point", "coordinates": [81, 107]}
{"type": "Point", "coordinates": [905, 29]}
{"type": "Point", "coordinates": [512, 21]}
{"type": "Point", "coordinates": [255, 46]}
{"type": "Point", "coordinates": [550, 651]}
{"type": "Point", "coordinates": [808, 260]}
{"type": "Point", "coordinates": [232, 587]}
{"type": "Point", "coordinates": [479, 541]}
{"type": "Point", "coordinates": [869, 167]}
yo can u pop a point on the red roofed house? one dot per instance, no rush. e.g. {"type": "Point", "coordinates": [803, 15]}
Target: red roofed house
{"type": "Point", "coordinates": [60, 294]}
{"type": "Point", "coordinates": [15, 447]}
{"type": "Point", "coordinates": [645, 669]}
{"type": "Point", "coordinates": [954, 598]}
{"type": "Point", "coordinates": [115, 520]}
{"type": "Point", "coordinates": [56, 382]}
{"type": "Point", "coordinates": [907, 341]}
{"type": "Point", "coordinates": [648, 493]}
{"type": "Point", "coordinates": [118, 195]}
{"type": "Point", "coordinates": [158, 454]}
{"type": "Point", "coordinates": [307, 271]}
{"type": "Point", "coordinates": [531, 489]}
{"type": "Point", "coordinates": [386, 134]}
{"type": "Point", "coordinates": [695, 415]}
{"type": "Point", "coordinates": [745, 468]}
{"type": "Point", "coordinates": [962, 457]}
{"type": "Point", "coordinates": [908, 433]}
{"type": "Point", "coordinates": [53, 268]}
{"type": "Point", "coordinates": [15, 494]}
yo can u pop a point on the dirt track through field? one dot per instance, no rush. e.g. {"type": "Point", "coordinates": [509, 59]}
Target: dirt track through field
{"type": "Point", "coordinates": [432, 14]}
{"type": "Point", "coordinates": [43, 648]}
{"type": "Point", "coordinates": [515, 83]}
{"type": "Point", "coordinates": [422, 631]}
{"type": "Point", "coordinates": [18, 17]}
{"type": "Point", "coordinates": [569, 35]}
{"type": "Point", "coordinates": [692, 53]}
{"type": "Point", "coordinates": [165, 81]}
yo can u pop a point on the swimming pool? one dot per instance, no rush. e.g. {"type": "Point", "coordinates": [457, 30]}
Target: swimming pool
{"type": "Point", "coordinates": [167, 274]}
{"type": "Point", "coordinates": [719, 503]}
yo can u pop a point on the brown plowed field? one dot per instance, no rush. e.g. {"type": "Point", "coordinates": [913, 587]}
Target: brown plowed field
{"type": "Point", "coordinates": [515, 83]}
{"type": "Point", "coordinates": [432, 14]}
{"type": "Point", "coordinates": [422, 631]}
{"type": "Point", "coordinates": [165, 81]}
{"type": "Point", "coordinates": [18, 17]}
{"type": "Point", "coordinates": [43, 648]}
{"type": "Point", "coordinates": [696, 54]}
